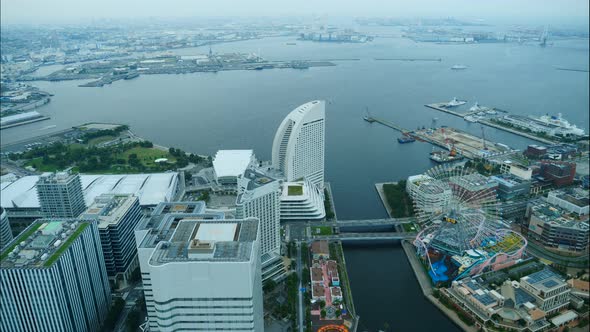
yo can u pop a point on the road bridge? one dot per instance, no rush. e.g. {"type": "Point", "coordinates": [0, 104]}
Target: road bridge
{"type": "Point", "coordinates": [386, 236]}
{"type": "Point", "coordinates": [364, 222]}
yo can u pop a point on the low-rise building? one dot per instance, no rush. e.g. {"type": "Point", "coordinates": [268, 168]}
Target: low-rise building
{"type": "Point", "coordinates": [559, 173]}
{"type": "Point", "coordinates": [580, 288]}
{"type": "Point", "coordinates": [564, 319]}
{"type": "Point", "coordinates": [516, 169]}
{"type": "Point", "coordinates": [432, 195]}
{"type": "Point", "coordinates": [320, 250]}
{"type": "Point", "coordinates": [316, 274]}
{"type": "Point", "coordinates": [572, 200]}
{"type": "Point", "coordinates": [511, 186]}
{"type": "Point", "coordinates": [535, 151]}
{"type": "Point", "coordinates": [474, 186]}
{"type": "Point", "coordinates": [550, 291]}
{"type": "Point", "coordinates": [336, 293]}
{"type": "Point", "coordinates": [555, 228]}
{"type": "Point", "coordinates": [230, 164]}
{"type": "Point", "coordinates": [477, 299]}
{"type": "Point", "coordinates": [301, 201]}
{"type": "Point", "coordinates": [318, 292]}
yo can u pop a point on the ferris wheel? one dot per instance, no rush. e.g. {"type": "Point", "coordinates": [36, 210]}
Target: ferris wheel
{"type": "Point", "coordinates": [460, 214]}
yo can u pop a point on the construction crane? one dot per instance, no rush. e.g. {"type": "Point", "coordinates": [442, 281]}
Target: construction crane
{"type": "Point", "coordinates": [483, 137]}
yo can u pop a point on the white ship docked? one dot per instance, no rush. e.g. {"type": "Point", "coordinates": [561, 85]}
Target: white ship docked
{"type": "Point", "coordinates": [455, 102]}
{"type": "Point", "coordinates": [564, 126]}
{"type": "Point", "coordinates": [475, 108]}
{"type": "Point", "coordinates": [470, 118]}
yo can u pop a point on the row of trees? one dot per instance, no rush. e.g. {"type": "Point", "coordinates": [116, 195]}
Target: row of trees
{"type": "Point", "coordinates": [398, 199]}
{"type": "Point", "coordinates": [328, 206]}
{"type": "Point", "coordinates": [99, 133]}
{"type": "Point", "coordinates": [483, 167]}
{"type": "Point", "coordinates": [183, 158]}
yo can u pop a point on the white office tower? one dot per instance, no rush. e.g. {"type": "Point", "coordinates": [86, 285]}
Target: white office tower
{"type": "Point", "coordinates": [259, 196]}
{"type": "Point", "coordinates": [5, 231]}
{"type": "Point", "coordinates": [60, 195]}
{"type": "Point", "coordinates": [201, 272]}
{"type": "Point", "coordinates": [298, 146]}
{"type": "Point", "coordinates": [117, 216]}
{"type": "Point", "coordinates": [301, 201]}
{"type": "Point", "coordinates": [53, 278]}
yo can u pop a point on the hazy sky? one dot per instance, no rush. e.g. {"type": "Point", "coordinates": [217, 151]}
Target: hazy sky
{"type": "Point", "coordinates": [56, 11]}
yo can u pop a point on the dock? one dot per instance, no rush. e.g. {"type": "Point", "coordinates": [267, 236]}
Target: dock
{"type": "Point", "coordinates": [467, 145]}
{"type": "Point", "coordinates": [16, 124]}
{"type": "Point", "coordinates": [441, 108]}
{"type": "Point", "coordinates": [391, 125]}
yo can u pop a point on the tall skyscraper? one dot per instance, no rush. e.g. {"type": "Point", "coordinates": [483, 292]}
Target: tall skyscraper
{"type": "Point", "coordinates": [53, 278]}
{"type": "Point", "coordinates": [298, 147]}
{"type": "Point", "coordinates": [60, 195]}
{"type": "Point", "coordinates": [116, 216]}
{"type": "Point", "coordinates": [201, 272]}
{"type": "Point", "coordinates": [5, 231]}
{"type": "Point", "coordinates": [259, 196]}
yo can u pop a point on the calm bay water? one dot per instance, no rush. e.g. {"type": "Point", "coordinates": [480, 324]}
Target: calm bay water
{"type": "Point", "coordinates": [205, 112]}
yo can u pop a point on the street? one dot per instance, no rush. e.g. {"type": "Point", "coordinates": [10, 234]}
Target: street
{"type": "Point", "coordinates": [300, 311]}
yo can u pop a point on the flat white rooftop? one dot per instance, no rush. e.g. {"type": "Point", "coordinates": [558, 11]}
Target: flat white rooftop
{"type": "Point", "coordinates": [232, 163]}
{"type": "Point", "coordinates": [216, 232]}
{"type": "Point", "coordinates": [151, 189]}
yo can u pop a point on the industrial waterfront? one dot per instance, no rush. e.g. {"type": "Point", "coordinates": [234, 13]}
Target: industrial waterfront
{"type": "Point", "coordinates": [192, 112]}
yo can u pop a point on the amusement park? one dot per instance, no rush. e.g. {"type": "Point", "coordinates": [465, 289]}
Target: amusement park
{"type": "Point", "coordinates": [463, 234]}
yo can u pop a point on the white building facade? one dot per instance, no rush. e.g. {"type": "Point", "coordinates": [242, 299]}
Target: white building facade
{"type": "Point", "coordinates": [60, 195]}
{"type": "Point", "coordinates": [201, 273]}
{"type": "Point", "coordinates": [5, 230]}
{"type": "Point", "coordinates": [260, 197]}
{"type": "Point", "coordinates": [298, 146]}
{"type": "Point", "coordinates": [302, 201]}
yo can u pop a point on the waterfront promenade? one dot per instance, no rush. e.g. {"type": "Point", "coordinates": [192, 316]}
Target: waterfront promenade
{"type": "Point", "coordinates": [379, 187]}
{"type": "Point", "coordinates": [427, 288]}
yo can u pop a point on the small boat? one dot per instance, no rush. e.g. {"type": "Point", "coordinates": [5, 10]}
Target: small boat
{"type": "Point", "coordinates": [291, 43]}
{"type": "Point", "coordinates": [470, 118]}
{"type": "Point", "coordinates": [458, 67]}
{"type": "Point", "coordinates": [405, 139]}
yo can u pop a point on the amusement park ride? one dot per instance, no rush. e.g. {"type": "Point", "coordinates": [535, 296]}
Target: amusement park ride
{"type": "Point", "coordinates": [463, 234]}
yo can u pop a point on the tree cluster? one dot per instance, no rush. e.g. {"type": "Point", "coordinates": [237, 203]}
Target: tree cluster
{"type": "Point", "coordinates": [398, 199]}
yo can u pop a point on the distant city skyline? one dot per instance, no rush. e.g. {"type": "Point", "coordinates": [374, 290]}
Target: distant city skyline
{"type": "Point", "coordinates": [70, 11]}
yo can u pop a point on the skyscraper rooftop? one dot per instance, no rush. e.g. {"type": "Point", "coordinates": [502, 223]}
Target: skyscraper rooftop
{"type": "Point", "coordinates": [41, 244]}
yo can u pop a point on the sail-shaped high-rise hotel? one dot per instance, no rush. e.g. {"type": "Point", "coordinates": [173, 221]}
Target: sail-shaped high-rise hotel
{"type": "Point", "coordinates": [298, 146]}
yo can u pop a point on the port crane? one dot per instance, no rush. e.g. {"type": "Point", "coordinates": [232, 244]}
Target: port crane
{"type": "Point", "coordinates": [483, 137]}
